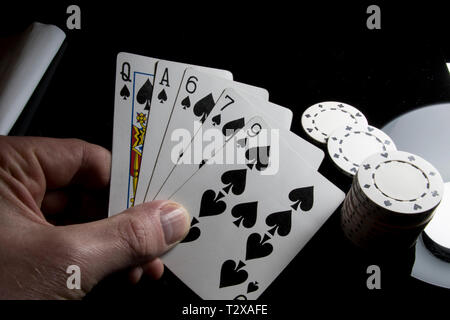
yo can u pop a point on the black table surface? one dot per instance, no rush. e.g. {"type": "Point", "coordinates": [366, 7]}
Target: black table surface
{"type": "Point", "coordinates": [302, 55]}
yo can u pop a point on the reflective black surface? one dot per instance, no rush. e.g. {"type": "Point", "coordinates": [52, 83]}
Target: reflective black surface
{"type": "Point", "coordinates": [302, 55]}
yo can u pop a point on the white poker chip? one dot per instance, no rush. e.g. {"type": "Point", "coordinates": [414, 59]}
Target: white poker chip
{"type": "Point", "coordinates": [438, 230]}
{"type": "Point", "coordinates": [321, 119]}
{"type": "Point", "coordinates": [400, 182]}
{"type": "Point", "coordinates": [428, 268]}
{"type": "Point", "coordinates": [349, 146]}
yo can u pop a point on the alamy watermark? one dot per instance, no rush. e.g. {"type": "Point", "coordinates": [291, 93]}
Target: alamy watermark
{"type": "Point", "coordinates": [374, 279]}
{"type": "Point", "coordinates": [74, 19]}
{"type": "Point", "coordinates": [74, 280]}
{"type": "Point", "coordinates": [254, 146]}
{"type": "Point", "coordinates": [374, 19]}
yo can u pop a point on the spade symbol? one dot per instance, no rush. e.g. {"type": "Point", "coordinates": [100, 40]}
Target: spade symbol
{"type": "Point", "coordinates": [252, 286]}
{"type": "Point", "coordinates": [280, 221]}
{"type": "Point", "coordinates": [246, 213]}
{"type": "Point", "coordinates": [124, 93]}
{"type": "Point", "coordinates": [194, 232]}
{"type": "Point", "coordinates": [234, 180]}
{"type": "Point", "coordinates": [303, 196]}
{"type": "Point", "coordinates": [257, 247]}
{"type": "Point", "coordinates": [231, 275]}
{"type": "Point", "coordinates": [231, 127]}
{"type": "Point", "coordinates": [241, 142]}
{"type": "Point", "coordinates": [204, 106]}
{"type": "Point", "coordinates": [216, 120]}
{"type": "Point", "coordinates": [210, 204]}
{"type": "Point", "coordinates": [162, 96]}
{"type": "Point", "coordinates": [186, 103]}
{"type": "Point", "coordinates": [258, 157]}
{"type": "Point", "coordinates": [144, 94]}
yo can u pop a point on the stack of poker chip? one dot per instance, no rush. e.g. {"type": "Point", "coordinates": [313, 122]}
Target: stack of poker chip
{"type": "Point", "coordinates": [391, 200]}
{"type": "Point", "coordinates": [393, 194]}
{"type": "Point", "coordinates": [436, 235]}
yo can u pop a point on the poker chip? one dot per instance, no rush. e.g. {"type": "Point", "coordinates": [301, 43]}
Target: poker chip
{"type": "Point", "coordinates": [401, 182]}
{"type": "Point", "coordinates": [391, 200]}
{"type": "Point", "coordinates": [429, 268]}
{"type": "Point", "coordinates": [437, 233]}
{"type": "Point", "coordinates": [321, 119]}
{"type": "Point", "coordinates": [349, 145]}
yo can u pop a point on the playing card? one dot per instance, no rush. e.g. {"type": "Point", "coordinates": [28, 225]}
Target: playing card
{"type": "Point", "coordinates": [230, 114]}
{"type": "Point", "coordinates": [134, 78]}
{"type": "Point", "coordinates": [249, 219]}
{"type": "Point", "coordinates": [168, 77]}
{"type": "Point", "coordinates": [133, 96]}
{"type": "Point", "coordinates": [196, 98]}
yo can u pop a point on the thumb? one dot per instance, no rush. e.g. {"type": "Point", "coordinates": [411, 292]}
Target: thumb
{"type": "Point", "coordinates": [131, 238]}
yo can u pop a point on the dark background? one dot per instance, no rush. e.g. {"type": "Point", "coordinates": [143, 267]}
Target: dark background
{"type": "Point", "coordinates": [302, 54]}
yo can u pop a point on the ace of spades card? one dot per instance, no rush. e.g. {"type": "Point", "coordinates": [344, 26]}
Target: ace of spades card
{"type": "Point", "coordinates": [249, 218]}
{"type": "Point", "coordinates": [134, 87]}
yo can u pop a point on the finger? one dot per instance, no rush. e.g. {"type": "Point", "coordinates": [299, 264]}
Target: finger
{"type": "Point", "coordinates": [54, 202]}
{"type": "Point", "coordinates": [135, 274]}
{"type": "Point", "coordinates": [154, 269]}
{"type": "Point", "coordinates": [134, 237]}
{"type": "Point", "coordinates": [67, 161]}
{"type": "Point", "coordinates": [46, 163]}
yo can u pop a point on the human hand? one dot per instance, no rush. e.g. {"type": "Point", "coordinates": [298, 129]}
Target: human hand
{"type": "Point", "coordinates": [37, 176]}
